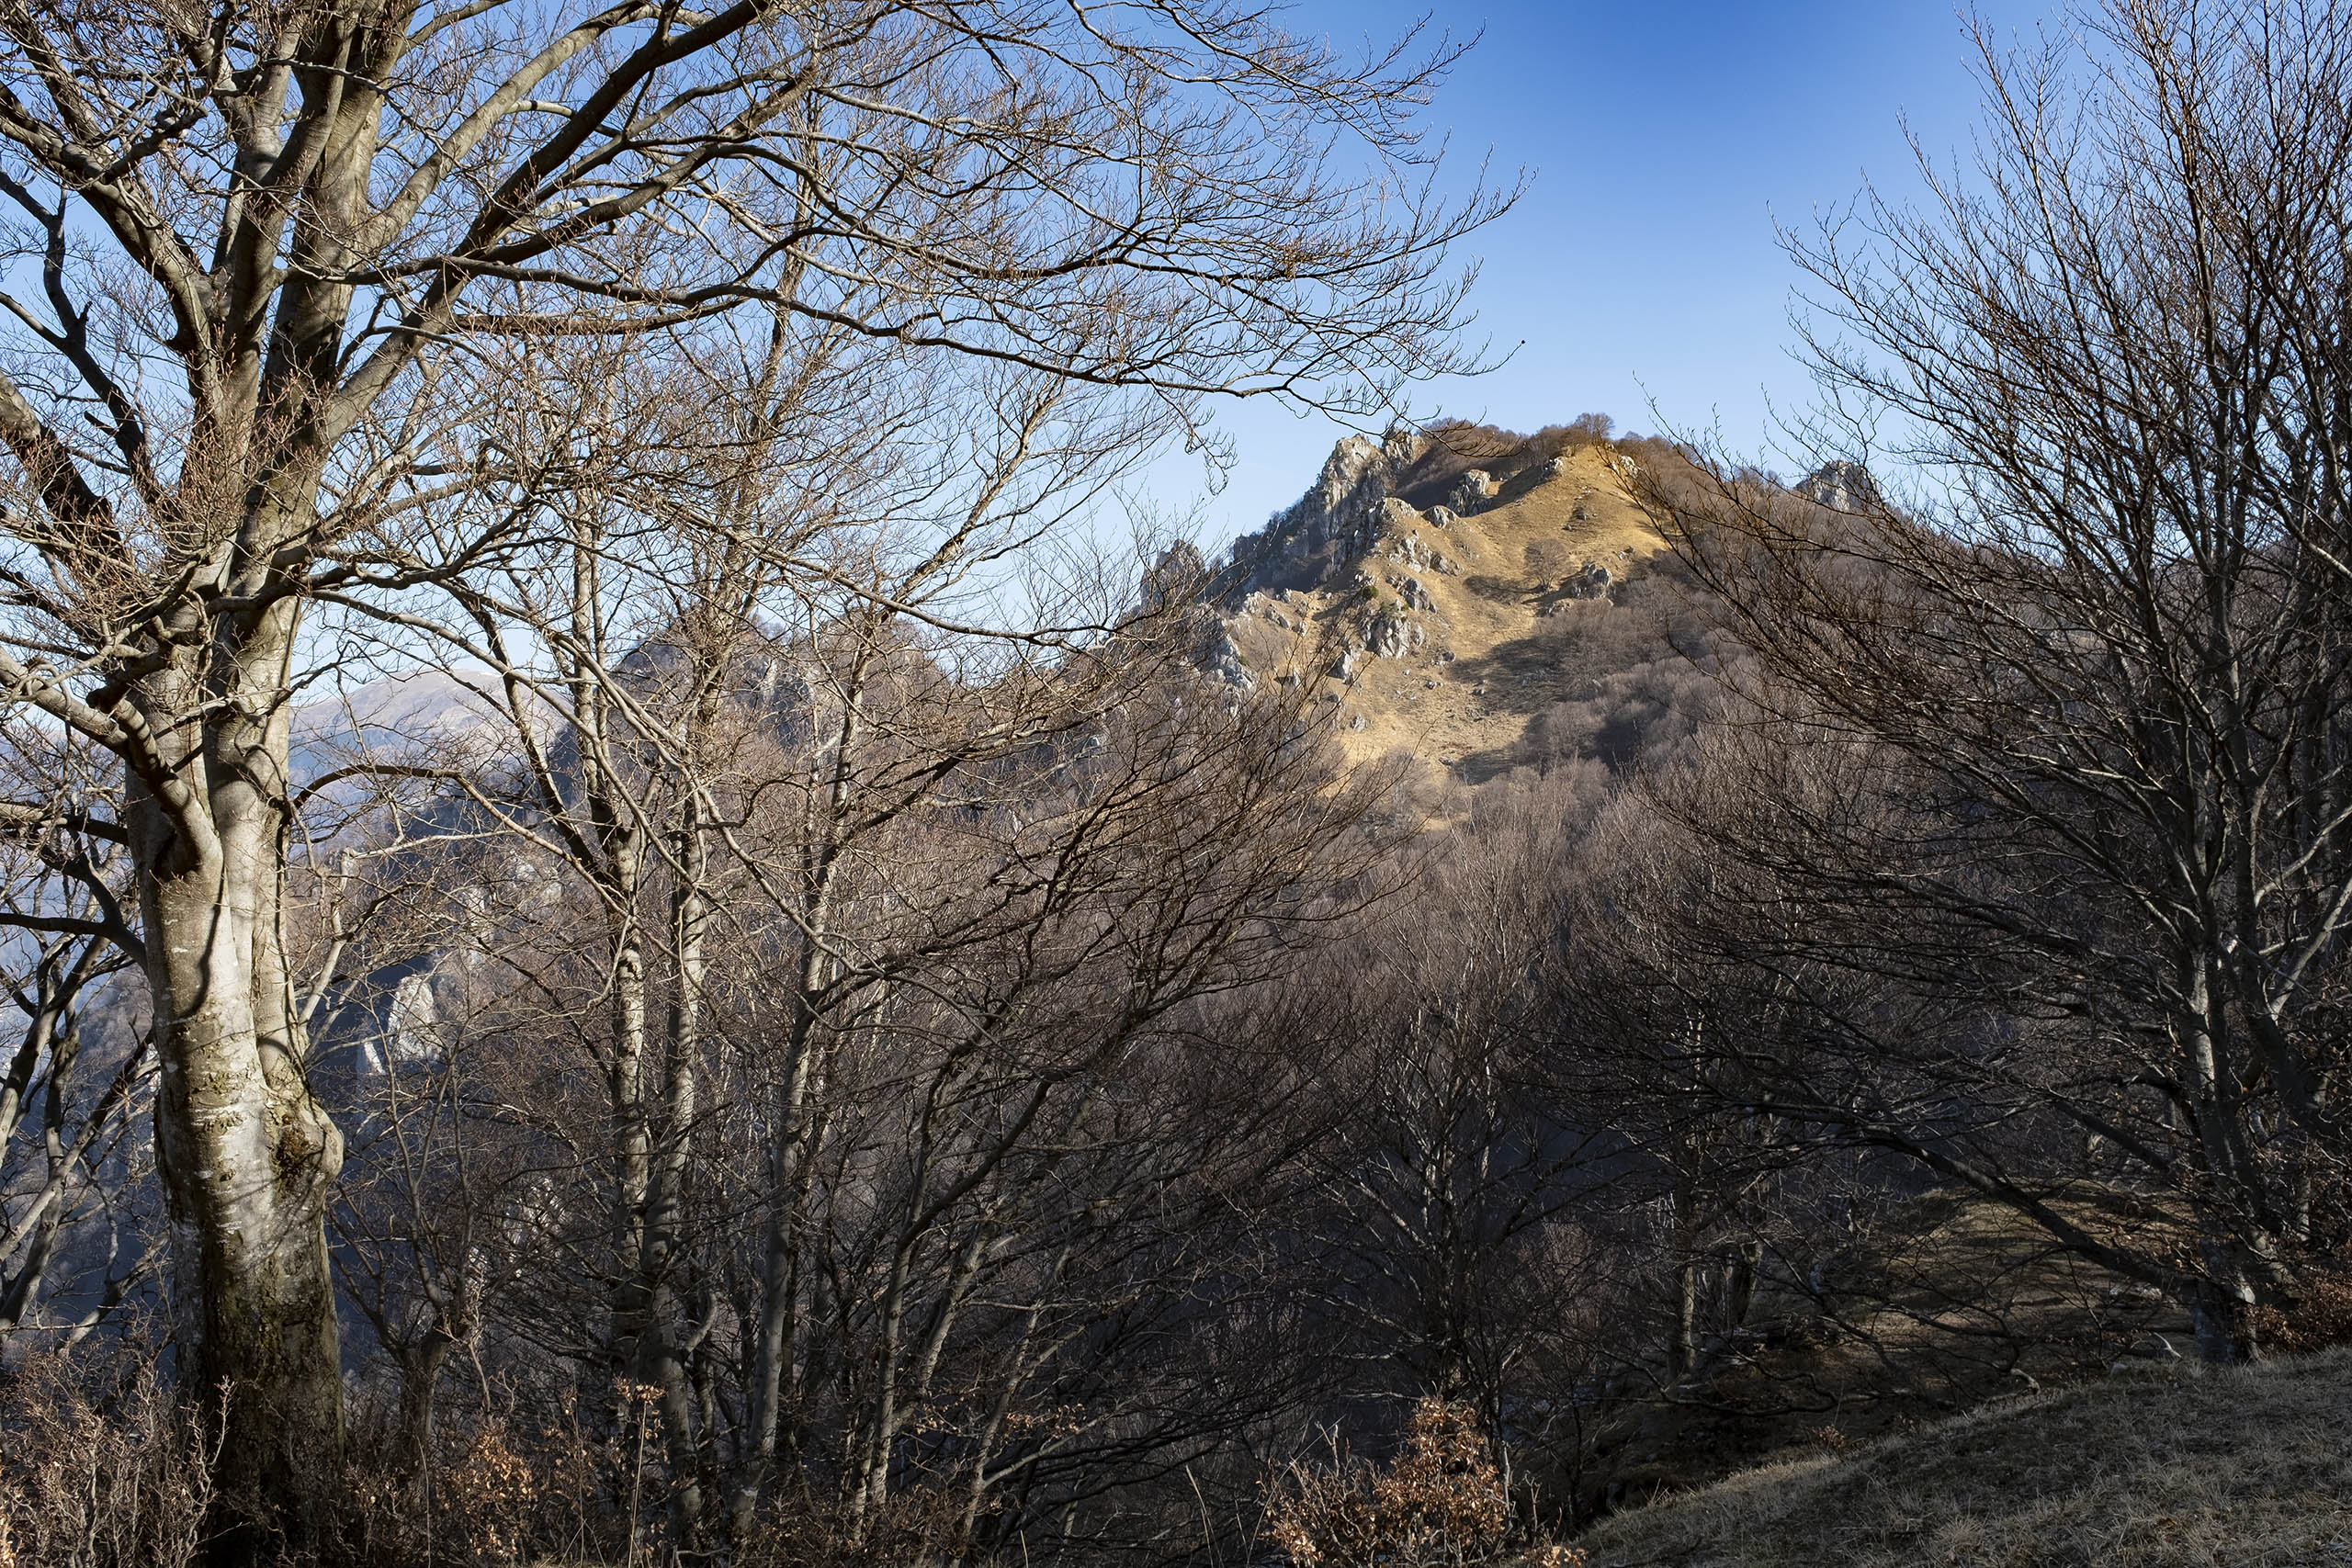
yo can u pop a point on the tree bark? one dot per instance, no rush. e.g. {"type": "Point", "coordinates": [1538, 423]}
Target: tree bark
{"type": "Point", "coordinates": [1683, 1342]}
{"type": "Point", "coordinates": [664, 1350]}
{"type": "Point", "coordinates": [248, 1156]}
{"type": "Point", "coordinates": [420, 1367]}
{"type": "Point", "coordinates": [2221, 1311]}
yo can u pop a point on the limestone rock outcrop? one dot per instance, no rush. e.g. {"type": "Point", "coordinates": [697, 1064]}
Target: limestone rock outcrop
{"type": "Point", "coordinates": [1404, 582]}
{"type": "Point", "coordinates": [1841, 486]}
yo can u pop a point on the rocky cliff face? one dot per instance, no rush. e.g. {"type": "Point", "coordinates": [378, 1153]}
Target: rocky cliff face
{"type": "Point", "coordinates": [1430, 627]}
{"type": "Point", "coordinates": [1338, 519]}
{"type": "Point", "coordinates": [1840, 486]}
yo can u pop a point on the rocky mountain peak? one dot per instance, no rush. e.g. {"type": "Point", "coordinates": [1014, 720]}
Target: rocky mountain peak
{"type": "Point", "coordinates": [1841, 486]}
{"type": "Point", "coordinates": [1416, 582]}
{"type": "Point", "coordinates": [1336, 519]}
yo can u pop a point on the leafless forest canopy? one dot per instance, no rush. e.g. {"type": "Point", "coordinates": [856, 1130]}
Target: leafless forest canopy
{"type": "Point", "coordinates": [644, 935]}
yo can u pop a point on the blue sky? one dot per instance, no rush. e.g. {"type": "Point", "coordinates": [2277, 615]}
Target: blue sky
{"type": "Point", "coordinates": [1664, 136]}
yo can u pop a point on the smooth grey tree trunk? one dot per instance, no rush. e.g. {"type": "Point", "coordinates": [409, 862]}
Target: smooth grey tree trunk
{"type": "Point", "coordinates": [248, 1156]}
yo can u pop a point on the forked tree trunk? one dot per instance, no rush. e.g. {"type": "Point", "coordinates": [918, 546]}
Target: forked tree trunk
{"type": "Point", "coordinates": [772, 1361]}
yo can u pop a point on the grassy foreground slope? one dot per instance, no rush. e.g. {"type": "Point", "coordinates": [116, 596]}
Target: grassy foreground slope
{"type": "Point", "coordinates": [2144, 1470]}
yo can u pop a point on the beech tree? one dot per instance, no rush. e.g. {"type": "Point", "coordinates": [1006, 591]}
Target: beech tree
{"type": "Point", "coordinates": [937, 1087]}
{"type": "Point", "coordinates": [2061, 741]}
{"type": "Point", "coordinates": [261, 258]}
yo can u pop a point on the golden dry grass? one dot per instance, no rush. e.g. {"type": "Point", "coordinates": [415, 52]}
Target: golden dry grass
{"type": "Point", "coordinates": [2218, 1467]}
{"type": "Point", "coordinates": [1460, 694]}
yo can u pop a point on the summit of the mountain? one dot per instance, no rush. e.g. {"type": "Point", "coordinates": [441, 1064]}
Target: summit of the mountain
{"type": "Point", "coordinates": [1429, 588]}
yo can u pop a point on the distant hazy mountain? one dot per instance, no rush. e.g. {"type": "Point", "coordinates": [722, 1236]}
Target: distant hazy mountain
{"type": "Point", "coordinates": [402, 716]}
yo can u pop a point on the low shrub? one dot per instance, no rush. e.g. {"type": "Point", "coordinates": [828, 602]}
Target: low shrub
{"type": "Point", "coordinates": [2318, 1318]}
{"type": "Point", "coordinates": [99, 1468]}
{"type": "Point", "coordinates": [1441, 1503]}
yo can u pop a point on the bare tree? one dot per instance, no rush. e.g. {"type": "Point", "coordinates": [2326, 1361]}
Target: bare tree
{"type": "Point", "coordinates": [734, 612]}
{"type": "Point", "coordinates": [2066, 738]}
{"type": "Point", "coordinates": [857, 948]}
{"type": "Point", "coordinates": [1449, 1151]}
{"type": "Point", "coordinates": [319, 220]}
{"type": "Point", "coordinates": [1020, 1143]}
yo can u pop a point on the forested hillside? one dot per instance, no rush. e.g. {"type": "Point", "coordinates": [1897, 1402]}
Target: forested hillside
{"type": "Point", "coordinates": [637, 943]}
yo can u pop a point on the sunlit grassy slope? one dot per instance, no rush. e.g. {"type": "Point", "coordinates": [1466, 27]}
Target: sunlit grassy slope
{"type": "Point", "coordinates": [1484, 670]}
